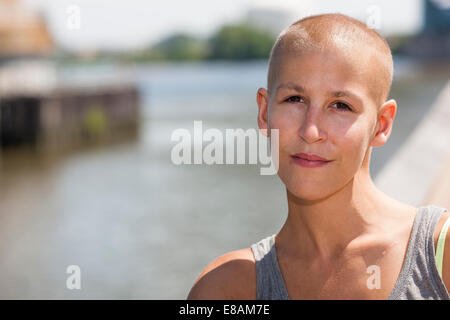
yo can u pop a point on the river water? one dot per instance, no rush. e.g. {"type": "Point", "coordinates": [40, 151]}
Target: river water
{"type": "Point", "coordinates": [138, 226]}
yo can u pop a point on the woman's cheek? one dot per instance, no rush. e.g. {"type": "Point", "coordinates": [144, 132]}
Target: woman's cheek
{"type": "Point", "coordinates": [289, 139]}
{"type": "Point", "coordinates": [353, 143]}
{"type": "Point", "coordinates": [287, 119]}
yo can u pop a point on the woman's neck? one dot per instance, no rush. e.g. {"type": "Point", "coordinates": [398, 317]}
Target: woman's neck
{"type": "Point", "coordinates": [325, 228]}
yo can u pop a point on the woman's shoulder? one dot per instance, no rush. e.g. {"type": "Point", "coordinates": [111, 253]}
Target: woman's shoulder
{"type": "Point", "coordinates": [230, 276]}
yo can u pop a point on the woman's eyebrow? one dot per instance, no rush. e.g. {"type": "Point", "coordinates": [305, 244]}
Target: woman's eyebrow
{"type": "Point", "coordinates": [290, 85]}
{"type": "Point", "coordinates": [345, 93]}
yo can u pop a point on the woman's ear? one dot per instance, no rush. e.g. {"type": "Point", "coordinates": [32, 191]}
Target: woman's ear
{"type": "Point", "coordinates": [262, 99]}
{"type": "Point", "coordinates": [385, 120]}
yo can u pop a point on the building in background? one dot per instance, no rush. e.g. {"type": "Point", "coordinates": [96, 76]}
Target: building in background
{"type": "Point", "coordinates": [23, 31]}
{"type": "Point", "coordinates": [437, 17]}
{"type": "Point", "coordinates": [274, 17]}
{"type": "Point", "coordinates": [270, 19]}
{"type": "Point", "coordinates": [433, 42]}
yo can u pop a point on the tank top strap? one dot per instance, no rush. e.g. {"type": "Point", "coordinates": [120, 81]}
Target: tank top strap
{"type": "Point", "coordinates": [419, 277]}
{"type": "Point", "coordinates": [441, 244]}
{"type": "Point", "coordinates": [269, 280]}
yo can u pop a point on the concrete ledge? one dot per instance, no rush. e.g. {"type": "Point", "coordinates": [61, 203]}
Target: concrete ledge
{"type": "Point", "coordinates": [439, 193]}
{"type": "Point", "coordinates": [411, 174]}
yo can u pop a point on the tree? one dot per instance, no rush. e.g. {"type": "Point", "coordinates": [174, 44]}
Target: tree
{"type": "Point", "coordinates": [180, 46]}
{"type": "Point", "coordinates": [240, 42]}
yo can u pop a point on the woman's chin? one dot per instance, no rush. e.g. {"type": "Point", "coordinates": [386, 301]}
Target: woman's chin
{"type": "Point", "coordinates": [308, 194]}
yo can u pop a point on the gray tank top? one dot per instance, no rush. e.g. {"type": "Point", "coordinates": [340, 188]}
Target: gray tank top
{"type": "Point", "coordinates": [419, 277]}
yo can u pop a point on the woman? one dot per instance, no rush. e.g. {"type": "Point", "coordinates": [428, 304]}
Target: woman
{"type": "Point", "coordinates": [328, 83]}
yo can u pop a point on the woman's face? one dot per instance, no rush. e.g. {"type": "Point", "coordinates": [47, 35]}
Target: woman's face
{"type": "Point", "coordinates": [322, 107]}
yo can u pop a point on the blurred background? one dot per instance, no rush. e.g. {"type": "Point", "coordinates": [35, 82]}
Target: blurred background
{"type": "Point", "coordinates": [90, 93]}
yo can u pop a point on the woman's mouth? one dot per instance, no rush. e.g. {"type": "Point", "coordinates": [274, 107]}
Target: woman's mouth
{"type": "Point", "coordinates": [309, 160]}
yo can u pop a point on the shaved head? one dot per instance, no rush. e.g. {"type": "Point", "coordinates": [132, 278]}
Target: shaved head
{"type": "Point", "coordinates": [361, 47]}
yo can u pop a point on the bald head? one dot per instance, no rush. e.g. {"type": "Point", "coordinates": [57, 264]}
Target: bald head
{"type": "Point", "coordinates": [341, 34]}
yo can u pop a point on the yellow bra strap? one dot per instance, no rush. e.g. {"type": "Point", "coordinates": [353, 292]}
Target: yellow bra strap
{"type": "Point", "coordinates": [440, 246]}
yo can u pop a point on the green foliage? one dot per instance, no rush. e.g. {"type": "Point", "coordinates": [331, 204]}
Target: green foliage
{"type": "Point", "coordinates": [397, 42]}
{"type": "Point", "coordinates": [94, 122]}
{"type": "Point", "coordinates": [231, 42]}
{"type": "Point", "coordinates": [180, 46]}
{"type": "Point", "coordinates": [240, 42]}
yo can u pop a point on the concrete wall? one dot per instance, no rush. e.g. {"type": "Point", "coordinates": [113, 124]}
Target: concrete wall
{"type": "Point", "coordinates": [411, 176]}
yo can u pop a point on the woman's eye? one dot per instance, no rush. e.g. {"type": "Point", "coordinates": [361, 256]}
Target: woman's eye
{"type": "Point", "coordinates": [294, 99]}
{"type": "Point", "coordinates": [342, 106]}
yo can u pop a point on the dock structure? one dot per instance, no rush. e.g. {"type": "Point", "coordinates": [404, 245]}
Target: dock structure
{"type": "Point", "coordinates": [65, 118]}
{"type": "Point", "coordinates": [419, 173]}
{"type": "Point", "coordinates": [36, 107]}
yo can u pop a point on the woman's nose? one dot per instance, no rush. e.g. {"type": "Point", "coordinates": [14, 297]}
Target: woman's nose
{"type": "Point", "coordinates": [311, 130]}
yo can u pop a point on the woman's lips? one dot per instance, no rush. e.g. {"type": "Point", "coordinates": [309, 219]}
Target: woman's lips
{"type": "Point", "coordinates": [309, 160]}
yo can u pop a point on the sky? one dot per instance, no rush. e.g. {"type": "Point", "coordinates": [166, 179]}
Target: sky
{"type": "Point", "coordinates": [128, 24]}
